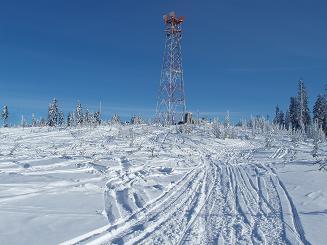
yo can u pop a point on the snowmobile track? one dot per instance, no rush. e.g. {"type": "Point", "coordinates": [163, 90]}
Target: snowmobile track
{"type": "Point", "coordinates": [228, 198]}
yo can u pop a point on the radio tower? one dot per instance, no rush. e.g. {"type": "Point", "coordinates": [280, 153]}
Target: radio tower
{"type": "Point", "coordinates": [171, 100]}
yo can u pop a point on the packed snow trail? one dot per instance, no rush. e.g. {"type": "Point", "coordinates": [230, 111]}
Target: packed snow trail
{"type": "Point", "coordinates": [228, 197]}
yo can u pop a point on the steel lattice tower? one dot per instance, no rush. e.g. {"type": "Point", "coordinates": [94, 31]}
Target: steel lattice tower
{"type": "Point", "coordinates": [171, 100]}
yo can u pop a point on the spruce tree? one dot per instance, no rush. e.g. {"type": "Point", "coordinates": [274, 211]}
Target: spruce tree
{"type": "Point", "coordinates": [136, 119]}
{"type": "Point", "coordinates": [287, 120]}
{"type": "Point", "coordinates": [79, 114]}
{"type": "Point", "coordinates": [70, 119]}
{"type": "Point", "coordinates": [217, 132]}
{"type": "Point", "coordinates": [61, 119]}
{"type": "Point", "coordinates": [97, 118]}
{"type": "Point", "coordinates": [33, 120]}
{"type": "Point", "coordinates": [320, 112]}
{"type": "Point", "coordinates": [279, 117]}
{"type": "Point", "coordinates": [23, 123]}
{"type": "Point", "coordinates": [116, 119]}
{"type": "Point", "coordinates": [294, 113]}
{"type": "Point", "coordinates": [304, 117]}
{"type": "Point", "coordinates": [42, 122]}
{"type": "Point", "coordinates": [5, 115]}
{"type": "Point", "coordinates": [228, 121]}
{"type": "Point", "coordinates": [53, 113]}
{"type": "Point", "coordinates": [87, 117]}
{"type": "Point", "coordinates": [276, 118]}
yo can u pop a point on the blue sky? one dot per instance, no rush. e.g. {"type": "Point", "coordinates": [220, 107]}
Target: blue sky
{"type": "Point", "coordinates": [241, 56]}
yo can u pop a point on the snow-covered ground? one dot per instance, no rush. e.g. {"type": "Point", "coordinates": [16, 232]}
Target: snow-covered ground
{"type": "Point", "coordinates": [146, 184]}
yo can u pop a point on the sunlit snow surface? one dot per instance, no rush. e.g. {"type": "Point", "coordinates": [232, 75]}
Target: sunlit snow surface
{"type": "Point", "coordinates": [152, 185]}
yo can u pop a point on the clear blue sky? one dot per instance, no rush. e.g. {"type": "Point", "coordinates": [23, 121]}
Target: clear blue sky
{"type": "Point", "coordinates": [242, 56]}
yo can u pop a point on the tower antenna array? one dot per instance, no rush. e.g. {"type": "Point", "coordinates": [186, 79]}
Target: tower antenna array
{"type": "Point", "coordinates": [171, 104]}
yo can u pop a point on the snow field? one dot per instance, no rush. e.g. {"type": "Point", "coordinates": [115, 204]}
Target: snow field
{"type": "Point", "coordinates": [143, 184]}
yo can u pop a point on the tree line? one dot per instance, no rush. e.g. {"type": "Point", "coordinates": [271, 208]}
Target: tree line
{"type": "Point", "coordinates": [57, 118]}
{"type": "Point", "coordinates": [298, 116]}
{"type": "Point", "coordinates": [79, 117]}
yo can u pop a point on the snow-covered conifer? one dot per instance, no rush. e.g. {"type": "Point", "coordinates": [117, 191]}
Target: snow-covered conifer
{"type": "Point", "coordinates": [5, 115]}
{"type": "Point", "coordinates": [320, 112]}
{"type": "Point", "coordinates": [116, 119]}
{"type": "Point", "coordinates": [23, 122]}
{"type": "Point", "coordinates": [279, 117]}
{"type": "Point", "coordinates": [275, 120]}
{"type": "Point", "coordinates": [79, 114]}
{"type": "Point", "coordinates": [70, 120]}
{"type": "Point", "coordinates": [97, 118]}
{"type": "Point", "coordinates": [87, 117]}
{"type": "Point", "coordinates": [227, 122]}
{"type": "Point", "coordinates": [53, 113]}
{"type": "Point", "coordinates": [304, 113]}
{"type": "Point", "coordinates": [294, 113]}
{"type": "Point", "coordinates": [34, 122]}
{"type": "Point", "coordinates": [61, 119]}
{"type": "Point", "coordinates": [42, 122]}
{"type": "Point", "coordinates": [136, 119]}
{"type": "Point", "coordinates": [217, 132]}
{"type": "Point", "coordinates": [287, 120]}
{"type": "Point", "coordinates": [315, 140]}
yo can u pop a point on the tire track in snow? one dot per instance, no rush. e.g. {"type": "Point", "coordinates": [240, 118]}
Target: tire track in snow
{"type": "Point", "coordinates": [155, 219]}
{"type": "Point", "coordinates": [184, 215]}
{"type": "Point", "coordinates": [222, 201]}
{"type": "Point", "coordinates": [197, 228]}
{"type": "Point", "coordinates": [296, 219]}
{"type": "Point", "coordinates": [124, 224]}
{"type": "Point", "coordinates": [296, 227]}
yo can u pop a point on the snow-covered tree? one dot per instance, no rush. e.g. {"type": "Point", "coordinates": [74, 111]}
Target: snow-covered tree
{"type": "Point", "coordinates": [87, 117]}
{"type": "Point", "coordinates": [5, 115]}
{"type": "Point", "coordinates": [239, 123]}
{"type": "Point", "coordinates": [318, 136]}
{"type": "Point", "coordinates": [287, 120]}
{"type": "Point", "coordinates": [227, 131]}
{"type": "Point", "coordinates": [116, 119]}
{"type": "Point", "coordinates": [34, 122]}
{"type": "Point", "coordinates": [79, 114]}
{"type": "Point", "coordinates": [228, 121]}
{"type": "Point", "coordinates": [23, 122]}
{"type": "Point", "coordinates": [97, 118]}
{"type": "Point", "coordinates": [304, 113]}
{"type": "Point", "coordinates": [268, 139]}
{"type": "Point", "coordinates": [70, 119]}
{"type": "Point", "coordinates": [294, 113]}
{"type": "Point", "coordinates": [216, 130]}
{"type": "Point", "coordinates": [279, 117]}
{"type": "Point", "coordinates": [320, 112]}
{"type": "Point", "coordinates": [315, 147]}
{"type": "Point", "coordinates": [42, 122]}
{"type": "Point", "coordinates": [275, 120]}
{"type": "Point", "coordinates": [136, 119]}
{"type": "Point", "coordinates": [61, 119]}
{"type": "Point", "coordinates": [53, 113]}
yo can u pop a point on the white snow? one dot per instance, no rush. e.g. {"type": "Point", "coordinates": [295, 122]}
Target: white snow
{"type": "Point", "coordinates": [154, 185]}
